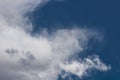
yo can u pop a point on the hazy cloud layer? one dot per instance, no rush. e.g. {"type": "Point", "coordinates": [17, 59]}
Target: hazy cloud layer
{"type": "Point", "coordinates": [41, 57]}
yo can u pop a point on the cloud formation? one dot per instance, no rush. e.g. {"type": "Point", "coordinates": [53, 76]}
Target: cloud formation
{"type": "Point", "coordinates": [41, 57]}
{"type": "Point", "coordinates": [80, 68]}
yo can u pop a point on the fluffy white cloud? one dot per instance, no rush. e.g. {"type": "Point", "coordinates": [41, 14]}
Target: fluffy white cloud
{"type": "Point", "coordinates": [80, 68]}
{"type": "Point", "coordinates": [41, 57]}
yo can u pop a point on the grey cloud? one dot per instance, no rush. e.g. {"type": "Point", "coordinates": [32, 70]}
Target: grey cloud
{"type": "Point", "coordinates": [30, 56]}
{"type": "Point", "coordinates": [12, 52]}
{"type": "Point", "coordinates": [28, 59]}
{"type": "Point", "coordinates": [24, 61]}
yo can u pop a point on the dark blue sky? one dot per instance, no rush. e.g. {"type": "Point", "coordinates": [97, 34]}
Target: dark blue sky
{"type": "Point", "coordinates": [103, 15]}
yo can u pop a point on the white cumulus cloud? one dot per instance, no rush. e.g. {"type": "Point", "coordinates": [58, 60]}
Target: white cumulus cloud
{"type": "Point", "coordinates": [80, 68]}
{"type": "Point", "coordinates": [41, 57]}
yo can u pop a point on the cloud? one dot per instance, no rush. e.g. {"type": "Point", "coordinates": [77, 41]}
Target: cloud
{"type": "Point", "coordinates": [41, 57]}
{"type": "Point", "coordinates": [14, 11]}
{"type": "Point", "coordinates": [80, 68]}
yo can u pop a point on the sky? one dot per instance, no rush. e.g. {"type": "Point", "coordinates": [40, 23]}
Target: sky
{"type": "Point", "coordinates": [59, 40]}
